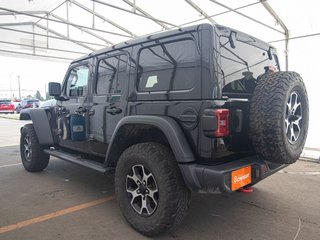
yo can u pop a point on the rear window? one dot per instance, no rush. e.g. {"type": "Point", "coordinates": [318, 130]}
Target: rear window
{"type": "Point", "coordinates": [242, 62]}
{"type": "Point", "coordinates": [32, 101]}
{"type": "Point", "coordinates": [5, 102]}
{"type": "Point", "coordinates": [168, 66]}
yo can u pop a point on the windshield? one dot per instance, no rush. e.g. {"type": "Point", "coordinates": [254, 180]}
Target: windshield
{"type": "Point", "coordinates": [243, 60]}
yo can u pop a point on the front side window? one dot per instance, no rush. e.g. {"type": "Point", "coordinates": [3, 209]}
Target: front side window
{"type": "Point", "coordinates": [77, 84]}
{"type": "Point", "coordinates": [168, 66]}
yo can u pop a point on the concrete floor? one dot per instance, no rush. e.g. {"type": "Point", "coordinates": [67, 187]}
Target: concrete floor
{"type": "Point", "coordinates": [284, 206]}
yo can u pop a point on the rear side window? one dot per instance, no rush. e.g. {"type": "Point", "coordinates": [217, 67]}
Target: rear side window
{"type": "Point", "coordinates": [168, 66]}
{"type": "Point", "coordinates": [111, 74]}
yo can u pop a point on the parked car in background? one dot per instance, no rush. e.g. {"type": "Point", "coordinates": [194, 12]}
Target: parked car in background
{"type": "Point", "coordinates": [16, 104]}
{"type": "Point", "coordinates": [28, 103]}
{"type": "Point", "coordinates": [48, 103]}
{"type": "Point", "coordinates": [6, 106]}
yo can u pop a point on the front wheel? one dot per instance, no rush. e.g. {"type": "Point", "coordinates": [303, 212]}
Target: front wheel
{"type": "Point", "coordinates": [32, 156]}
{"type": "Point", "coordinates": [150, 189]}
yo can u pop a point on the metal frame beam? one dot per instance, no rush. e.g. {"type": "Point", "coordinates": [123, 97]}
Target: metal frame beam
{"type": "Point", "coordinates": [64, 37]}
{"type": "Point", "coordinates": [218, 14]}
{"type": "Point", "coordinates": [4, 13]}
{"type": "Point", "coordinates": [35, 55]}
{"type": "Point", "coordinates": [244, 15]}
{"type": "Point", "coordinates": [283, 26]}
{"type": "Point", "coordinates": [45, 48]}
{"type": "Point", "coordinates": [47, 15]}
{"type": "Point", "coordinates": [202, 12]}
{"type": "Point", "coordinates": [82, 29]}
{"type": "Point", "coordinates": [15, 24]}
{"type": "Point", "coordinates": [211, 16]}
{"type": "Point", "coordinates": [33, 41]}
{"type": "Point", "coordinates": [51, 31]}
{"type": "Point", "coordinates": [50, 36]}
{"type": "Point", "coordinates": [94, 13]}
{"type": "Point", "coordinates": [136, 8]}
{"type": "Point", "coordinates": [135, 13]}
{"type": "Point", "coordinates": [67, 13]}
{"type": "Point", "coordinates": [48, 30]}
{"type": "Point", "coordinates": [72, 24]}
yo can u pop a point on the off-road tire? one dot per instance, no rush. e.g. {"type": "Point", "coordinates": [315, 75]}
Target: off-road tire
{"type": "Point", "coordinates": [37, 160]}
{"type": "Point", "coordinates": [173, 195]}
{"type": "Point", "coordinates": [268, 114]}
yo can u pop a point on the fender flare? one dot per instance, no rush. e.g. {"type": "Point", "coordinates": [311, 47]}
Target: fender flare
{"type": "Point", "coordinates": [41, 124]}
{"type": "Point", "coordinates": [173, 132]}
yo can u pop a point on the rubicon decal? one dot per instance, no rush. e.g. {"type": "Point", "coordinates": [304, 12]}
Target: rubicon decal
{"type": "Point", "coordinates": [240, 178]}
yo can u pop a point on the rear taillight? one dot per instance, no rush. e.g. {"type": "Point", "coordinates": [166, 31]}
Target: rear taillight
{"type": "Point", "coordinates": [223, 116]}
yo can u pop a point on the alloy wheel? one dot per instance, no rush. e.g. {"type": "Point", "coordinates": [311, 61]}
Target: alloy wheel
{"type": "Point", "coordinates": [142, 190]}
{"type": "Point", "coordinates": [293, 117]}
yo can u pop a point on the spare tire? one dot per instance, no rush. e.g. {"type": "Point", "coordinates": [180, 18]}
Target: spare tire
{"type": "Point", "coordinates": [279, 116]}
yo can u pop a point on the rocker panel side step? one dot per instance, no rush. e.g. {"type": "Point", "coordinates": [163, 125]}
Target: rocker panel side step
{"type": "Point", "coordinates": [77, 159]}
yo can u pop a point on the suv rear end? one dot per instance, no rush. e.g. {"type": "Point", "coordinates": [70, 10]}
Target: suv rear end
{"type": "Point", "coordinates": [237, 142]}
{"type": "Point", "coordinates": [6, 106]}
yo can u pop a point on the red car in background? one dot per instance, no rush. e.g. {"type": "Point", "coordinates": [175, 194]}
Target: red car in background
{"type": "Point", "coordinates": [6, 106]}
{"type": "Point", "coordinates": [28, 103]}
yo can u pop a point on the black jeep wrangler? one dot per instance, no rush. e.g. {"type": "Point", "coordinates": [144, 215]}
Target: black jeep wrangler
{"type": "Point", "coordinates": [202, 108]}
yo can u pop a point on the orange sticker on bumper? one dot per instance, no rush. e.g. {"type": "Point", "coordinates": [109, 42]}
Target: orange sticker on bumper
{"type": "Point", "coordinates": [240, 178]}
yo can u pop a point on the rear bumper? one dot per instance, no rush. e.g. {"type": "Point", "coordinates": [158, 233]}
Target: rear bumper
{"type": "Point", "coordinates": [218, 178]}
{"type": "Point", "coordinates": [7, 111]}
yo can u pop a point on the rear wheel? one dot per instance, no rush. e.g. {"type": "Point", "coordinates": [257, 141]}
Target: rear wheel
{"type": "Point", "coordinates": [32, 156]}
{"type": "Point", "coordinates": [150, 189]}
{"type": "Point", "coordinates": [279, 117]}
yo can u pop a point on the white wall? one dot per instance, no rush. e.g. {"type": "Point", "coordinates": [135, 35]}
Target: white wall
{"type": "Point", "coordinates": [304, 58]}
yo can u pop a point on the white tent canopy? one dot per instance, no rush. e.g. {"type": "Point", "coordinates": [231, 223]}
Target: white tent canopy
{"type": "Point", "coordinates": [64, 29]}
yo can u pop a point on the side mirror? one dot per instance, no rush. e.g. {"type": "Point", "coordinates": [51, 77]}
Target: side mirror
{"type": "Point", "coordinates": [54, 89]}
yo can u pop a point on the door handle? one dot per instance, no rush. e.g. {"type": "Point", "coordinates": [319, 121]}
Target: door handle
{"type": "Point", "coordinates": [92, 112]}
{"type": "Point", "coordinates": [114, 110]}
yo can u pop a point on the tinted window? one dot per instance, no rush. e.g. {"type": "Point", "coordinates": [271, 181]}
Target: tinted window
{"type": "Point", "coordinates": [111, 74]}
{"type": "Point", "coordinates": [5, 101]}
{"type": "Point", "coordinates": [168, 66]}
{"type": "Point", "coordinates": [77, 84]}
{"type": "Point", "coordinates": [245, 62]}
{"type": "Point", "coordinates": [32, 101]}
